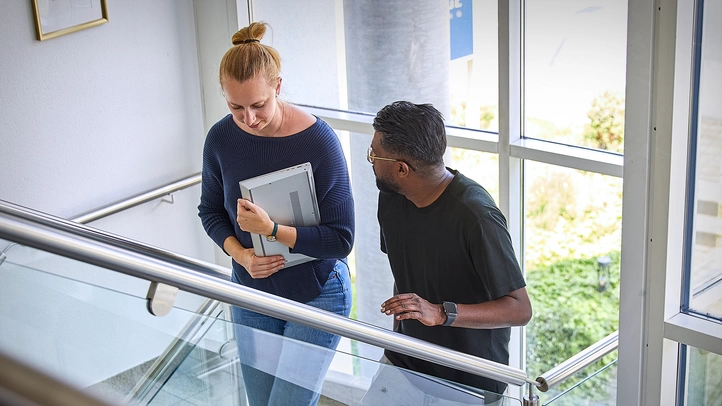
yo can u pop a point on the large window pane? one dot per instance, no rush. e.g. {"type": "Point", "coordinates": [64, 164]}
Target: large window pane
{"type": "Point", "coordinates": [363, 54]}
{"type": "Point", "coordinates": [704, 378]}
{"type": "Point", "coordinates": [473, 77]}
{"type": "Point", "coordinates": [572, 231]}
{"type": "Point", "coordinates": [574, 71]}
{"type": "Point", "coordinates": [705, 290]}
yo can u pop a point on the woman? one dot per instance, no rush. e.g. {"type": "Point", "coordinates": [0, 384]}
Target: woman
{"type": "Point", "coordinates": [261, 135]}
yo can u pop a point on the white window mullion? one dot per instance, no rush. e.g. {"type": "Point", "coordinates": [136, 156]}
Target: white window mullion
{"type": "Point", "coordinates": [632, 312]}
{"type": "Point", "coordinates": [677, 193]}
{"type": "Point", "coordinates": [695, 331]}
{"type": "Point", "coordinates": [646, 228]}
{"type": "Point", "coordinates": [510, 172]}
{"type": "Point", "coordinates": [510, 116]}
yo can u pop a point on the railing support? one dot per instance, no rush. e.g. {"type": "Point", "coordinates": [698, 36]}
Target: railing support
{"type": "Point", "coordinates": [531, 399]}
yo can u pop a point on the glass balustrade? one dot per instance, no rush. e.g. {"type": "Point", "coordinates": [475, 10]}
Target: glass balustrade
{"type": "Point", "coordinates": [595, 385]}
{"type": "Point", "coordinates": [88, 336]}
{"type": "Point", "coordinates": [90, 327]}
{"type": "Point", "coordinates": [216, 378]}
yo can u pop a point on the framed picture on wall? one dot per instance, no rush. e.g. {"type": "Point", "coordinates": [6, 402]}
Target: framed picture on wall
{"type": "Point", "coordinates": [54, 18]}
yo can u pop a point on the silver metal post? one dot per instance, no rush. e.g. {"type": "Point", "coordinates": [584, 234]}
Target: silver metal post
{"type": "Point", "coordinates": [531, 399]}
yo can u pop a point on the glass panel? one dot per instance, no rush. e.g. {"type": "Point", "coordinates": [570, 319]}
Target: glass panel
{"type": "Point", "coordinates": [574, 72]}
{"type": "Point", "coordinates": [367, 54]}
{"type": "Point", "coordinates": [705, 290]}
{"type": "Point", "coordinates": [210, 378]}
{"type": "Point", "coordinates": [704, 378]}
{"type": "Point", "coordinates": [89, 274]}
{"type": "Point", "coordinates": [105, 341]}
{"type": "Point", "coordinates": [473, 75]}
{"type": "Point", "coordinates": [595, 385]}
{"type": "Point", "coordinates": [87, 336]}
{"type": "Point", "coordinates": [209, 375]}
{"type": "Point", "coordinates": [572, 246]}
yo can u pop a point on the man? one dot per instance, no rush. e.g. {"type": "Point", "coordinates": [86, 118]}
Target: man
{"type": "Point", "coordinates": [457, 281]}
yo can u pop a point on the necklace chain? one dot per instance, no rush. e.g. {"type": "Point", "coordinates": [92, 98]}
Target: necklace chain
{"type": "Point", "coordinates": [283, 110]}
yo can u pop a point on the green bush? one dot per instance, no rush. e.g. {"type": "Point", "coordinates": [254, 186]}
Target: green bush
{"type": "Point", "coordinates": [570, 314]}
{"type": "Point", "coordinates": [606, 122]}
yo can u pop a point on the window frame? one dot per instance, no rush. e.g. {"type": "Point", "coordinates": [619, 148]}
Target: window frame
{"type": "Point", "coordinates": [654, 168]}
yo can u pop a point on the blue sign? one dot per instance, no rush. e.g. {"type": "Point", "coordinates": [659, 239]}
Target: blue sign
{"type": "Point", "coordinates": [462, 38]}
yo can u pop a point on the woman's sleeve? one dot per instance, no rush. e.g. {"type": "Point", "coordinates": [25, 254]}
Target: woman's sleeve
{"type": "Point", "coordinates": [334, 236]}
{"type": "Point", "coordinates": [211, 210]}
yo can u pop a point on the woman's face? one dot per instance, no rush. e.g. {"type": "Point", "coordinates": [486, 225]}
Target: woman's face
{"type": "Point", "coordinates": [253, 103]}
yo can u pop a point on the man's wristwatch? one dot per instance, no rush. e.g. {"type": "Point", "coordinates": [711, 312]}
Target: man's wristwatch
{"type": "Point", "coordinates": [272, 237]}
{"type": "Point", "coordinates": [450, 310]}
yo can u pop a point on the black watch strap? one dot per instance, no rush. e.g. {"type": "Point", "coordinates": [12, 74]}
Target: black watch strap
{"type": "Point", "coordinates": [272, 237]}
{"type": "Point", "coordinates": [451, 312]}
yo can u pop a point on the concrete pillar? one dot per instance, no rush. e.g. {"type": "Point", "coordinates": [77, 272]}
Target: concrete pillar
{"type": "Point", "coordinates": [395, 50]}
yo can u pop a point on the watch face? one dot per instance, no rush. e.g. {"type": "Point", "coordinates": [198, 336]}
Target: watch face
{"type": "Point", "coordinates": [450, 307]}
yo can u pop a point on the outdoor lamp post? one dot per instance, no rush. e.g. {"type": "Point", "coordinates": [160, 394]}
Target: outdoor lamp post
{"type": "Point", "coordinates": [603, 277]}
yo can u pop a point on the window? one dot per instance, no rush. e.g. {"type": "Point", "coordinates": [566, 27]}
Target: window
{"type": "Point", "coordinates": [703, 383]}
{"type": "Point", "coordinates": [572, 231]}
{"type": "Point", "coordinates": [574, 72]}
{"type": "Point", "coordinates": [362, 55]}
{"type": "Point", "coordinates": [704, 291]}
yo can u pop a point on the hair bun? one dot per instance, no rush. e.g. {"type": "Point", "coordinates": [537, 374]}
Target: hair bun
{"type": "Point", "coordinates": [253, 33]}
{"type": "Point", "coordinates": [247, 41]}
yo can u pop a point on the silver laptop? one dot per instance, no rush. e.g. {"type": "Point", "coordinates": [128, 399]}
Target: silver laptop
{"type": "Point", "coordinates": [289, 198]}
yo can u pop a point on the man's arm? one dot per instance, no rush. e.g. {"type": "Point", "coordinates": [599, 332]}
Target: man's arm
{"type": "Point", "coordinates": [510, 310]}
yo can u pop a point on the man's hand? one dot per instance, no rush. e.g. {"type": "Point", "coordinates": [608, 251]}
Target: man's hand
{"type": "Point", "coordinates": [410, 306]}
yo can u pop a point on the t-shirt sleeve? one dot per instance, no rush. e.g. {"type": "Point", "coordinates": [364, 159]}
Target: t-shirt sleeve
{"type": "Point", "coordinates": [493, 255]}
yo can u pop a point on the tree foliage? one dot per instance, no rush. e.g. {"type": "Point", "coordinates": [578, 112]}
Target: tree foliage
{"type": "Point", "coordinates": [570, 214]}
{"type": "Point", "coordinates": [606, 127]}
{"type": "Point", "coordinates": [487, 115]}
{"type": "Point", "coordinates": [570, 314]}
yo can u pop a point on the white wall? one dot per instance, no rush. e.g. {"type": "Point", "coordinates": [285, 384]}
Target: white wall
{"type": "Point", "coordinates": [88, 119]}
{"type": "Point", "coordinates": [92, 117]}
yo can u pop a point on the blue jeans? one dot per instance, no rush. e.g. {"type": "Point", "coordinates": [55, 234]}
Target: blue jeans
{"type": "Point", "coordinates": [281, 368]}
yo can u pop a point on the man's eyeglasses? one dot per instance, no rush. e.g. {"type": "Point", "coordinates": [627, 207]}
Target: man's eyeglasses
{"type": "Point", "coordinates": [370, 156]}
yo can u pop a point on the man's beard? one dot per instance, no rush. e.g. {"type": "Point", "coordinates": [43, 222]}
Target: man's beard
{"type": "Point", "coordinates": [387, 186]}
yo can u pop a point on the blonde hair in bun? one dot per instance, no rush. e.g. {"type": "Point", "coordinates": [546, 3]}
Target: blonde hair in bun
{"type": "Point", "coordinates": [248, 57]}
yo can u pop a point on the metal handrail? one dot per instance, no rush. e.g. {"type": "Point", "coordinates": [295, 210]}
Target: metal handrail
{"type": "Point", "coordinates": [579, 361]}
{"type": "Point", "coordinates": [72, 227]}
{"type": "Point", "coordinates": [49, 234]}
{"type": "Point", "coordinates": [162, 368]}
{"type": "Point", "coordinates": [138, 199]}
{"type": "Point", "coordinates": [545, 381]}
{"type": "Point", "coordinates": [124, 205]}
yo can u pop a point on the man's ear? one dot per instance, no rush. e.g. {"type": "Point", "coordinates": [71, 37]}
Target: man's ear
{"type": "Point", "coordinates": [403, 169]}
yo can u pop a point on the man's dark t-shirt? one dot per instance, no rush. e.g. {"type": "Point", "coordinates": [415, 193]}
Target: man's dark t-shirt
{"type": "Point", "coordinates": [457, 249]}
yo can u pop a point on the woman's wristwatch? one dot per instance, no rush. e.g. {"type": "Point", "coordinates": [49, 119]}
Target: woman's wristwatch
{"type": "Point", "coordinates": [272, 237]}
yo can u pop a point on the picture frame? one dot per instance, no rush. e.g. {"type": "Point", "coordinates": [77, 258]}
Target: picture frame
{"type": "Point", "coordinates": [54, 18]}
